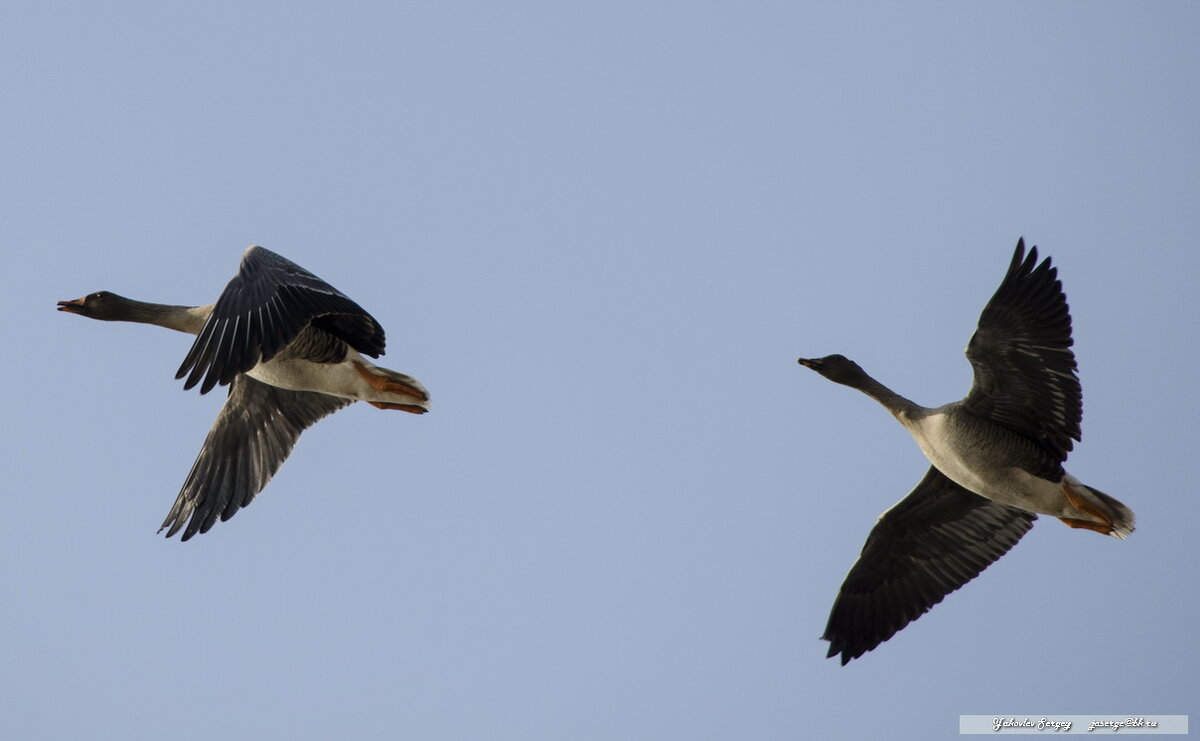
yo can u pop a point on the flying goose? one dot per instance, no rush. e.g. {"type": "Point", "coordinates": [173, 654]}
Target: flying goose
{"type": "Point", "coordinates": [997, 460]}
{"type": "Point", "coordinates": [290, 347]}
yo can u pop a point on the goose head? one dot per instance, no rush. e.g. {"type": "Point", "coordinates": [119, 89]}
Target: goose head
{"type": "Point", "coordinates": [103, 305]}
{"type": "Point", "coordinates": [837, 368]}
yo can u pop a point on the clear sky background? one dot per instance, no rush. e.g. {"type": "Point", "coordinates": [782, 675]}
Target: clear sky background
{"type": "Point", "coordinates": [601, 234]}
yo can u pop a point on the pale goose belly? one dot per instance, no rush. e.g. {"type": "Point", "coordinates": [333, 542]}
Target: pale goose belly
{"type": "Point", "coordinates": [980, 463]}
{"type": "Point", "coordinates": [336, 379]}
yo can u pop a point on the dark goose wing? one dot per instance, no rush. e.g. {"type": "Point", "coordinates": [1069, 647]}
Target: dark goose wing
{"type": "Point", "coordinates": [1024, 368]}
{"type": "Point", "coordinates": [252, 436]}
{"type": "Point", "coordinates": [932, 542]}
{"type": "Point", "coordinates": [263, 308]}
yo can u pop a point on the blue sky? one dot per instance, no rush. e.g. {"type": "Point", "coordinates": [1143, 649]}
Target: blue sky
{"type": "Point", "coordinates": [600, 234]}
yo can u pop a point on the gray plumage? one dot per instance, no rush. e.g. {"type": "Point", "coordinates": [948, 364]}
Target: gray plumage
{"type": "Point", "coordinates": [288, 345]}
{"type": "Point", "coordinates": [997, 460]}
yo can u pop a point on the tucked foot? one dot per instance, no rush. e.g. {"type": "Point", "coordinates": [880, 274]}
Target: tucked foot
{"type": "Point", "coordinates": [1087, 507]}
{"type": "Point", "coordinates": [1098, 527]}
{"type": "Point", "coordinates": [413, 408]}
{"type": "Point", "coordinates": [391, 382]}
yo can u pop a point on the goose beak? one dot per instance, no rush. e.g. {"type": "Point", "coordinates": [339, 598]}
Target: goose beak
{"type": "Point", "coordinates": [809, 363]}
{"type": "Point", "coordinates": [74, 307]}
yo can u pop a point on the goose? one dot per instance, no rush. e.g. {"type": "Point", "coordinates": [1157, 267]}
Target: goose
{"type": "Point", "coordinates": [290, 347]}
{"type": "Point", "coordinates": [996, 463]}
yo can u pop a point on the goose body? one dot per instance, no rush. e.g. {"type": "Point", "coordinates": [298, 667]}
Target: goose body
{"type": "Point", "coordinates": [291, 349]}
{"type": "Point", "coordinates": [986, 460]}
{"type": "Point", "coordinates": [996, 463]}
{"type": "Point", "coordinates": [345, 379]}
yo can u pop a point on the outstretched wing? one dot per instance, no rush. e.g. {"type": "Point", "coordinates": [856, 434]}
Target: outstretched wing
{"type": "Point", "coordinates": [252, 436]}
{"type": "Point", "coordinates": [1024, 368]}
{"type": "Point", "coordinates": [266, 305]}
{"type": "Point", "coordinates": [932, 542]}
